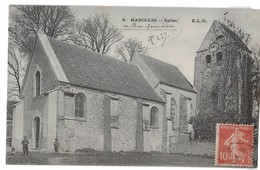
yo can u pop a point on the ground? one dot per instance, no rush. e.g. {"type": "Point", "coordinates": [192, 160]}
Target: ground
{"type": "Point", "coordinates": [109, 158]}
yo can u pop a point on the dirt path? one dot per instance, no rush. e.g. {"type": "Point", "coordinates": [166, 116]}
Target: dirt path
{"type": "Point", "coordinates": [57, 160]}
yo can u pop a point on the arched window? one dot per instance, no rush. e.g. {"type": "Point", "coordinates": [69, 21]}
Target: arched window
{"type": "Point", "coordinates": [219, 56]}
{"type": "Point", "coordinates": [37, 83]}
{"type": "Point", "coordinates": [79, 105]}
{"type": "Point", "coordinates": [208, 59]}
{"type": "Point", "coordinates": [173, 108]}
{"type": "Point", "coordinates": [154, 116]}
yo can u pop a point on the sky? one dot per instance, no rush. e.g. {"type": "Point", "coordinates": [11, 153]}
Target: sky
{"type": "Point", "coordinates": [182, 43]}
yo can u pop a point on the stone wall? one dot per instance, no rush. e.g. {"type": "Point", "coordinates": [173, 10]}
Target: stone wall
{"type": "Point", "coordinates": [123, 136]}
{"type": "Point", "coordinates": [96, 131]}
{"type": "Point", "coordinates": [17, 130]}
{"type": "Point", "coordinates": [171, 127]}
{"type": "Point", "coordinates": [194, 148]}
{"type": "Point", "coordinates": [176, 93]}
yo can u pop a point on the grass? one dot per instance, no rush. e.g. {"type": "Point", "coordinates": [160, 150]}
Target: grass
{"type": "Point", "coordinates": [109, 158]}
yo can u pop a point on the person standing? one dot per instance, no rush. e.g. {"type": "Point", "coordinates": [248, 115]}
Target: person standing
{"type": "Point", "coordinates": [25, 144]}
{"type": "Point", "coordinates": [56, 146]}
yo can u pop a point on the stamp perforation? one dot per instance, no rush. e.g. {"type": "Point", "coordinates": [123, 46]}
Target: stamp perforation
{"type": "Point", "coordinates": [217, 143]}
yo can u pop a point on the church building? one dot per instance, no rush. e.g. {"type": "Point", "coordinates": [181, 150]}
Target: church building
{"type": "Point", "coordinates": [90, 100]}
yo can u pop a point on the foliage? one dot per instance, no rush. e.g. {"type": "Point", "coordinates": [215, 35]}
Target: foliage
{"type": "Point", "coordinates": [15, 71]}
{"type": "Point", "coordinates": [230, 87]}
{"type": "Point", "coordinates": [27, 20]}
{"type": "Point", "coordinates": [205, 124]}
{"type": "Point", "coordinates": [127, 49]}
{"type": "Point", "coordinates": [256, 76]}
{"type": "Point", "coordinates": [96, 33]}
{"type": "Point", "coordinates": [241, 33]}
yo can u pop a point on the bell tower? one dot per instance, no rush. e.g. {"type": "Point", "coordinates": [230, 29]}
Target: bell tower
{"type": "Point", "coordinates": [222, 68]}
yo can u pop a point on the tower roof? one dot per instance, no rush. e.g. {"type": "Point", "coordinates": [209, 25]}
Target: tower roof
{"type": "Point", "coordinates": [218, 27]}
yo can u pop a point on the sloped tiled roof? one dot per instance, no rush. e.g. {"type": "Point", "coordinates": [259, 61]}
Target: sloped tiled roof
{"type": "Point", "coordinates": [167, 74]}
{"type": "Point", "coordinates": [89, 69]}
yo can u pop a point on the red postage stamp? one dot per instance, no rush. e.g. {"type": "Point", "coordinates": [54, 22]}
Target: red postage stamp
{"type": "Point", "coordinates": [234, 144]}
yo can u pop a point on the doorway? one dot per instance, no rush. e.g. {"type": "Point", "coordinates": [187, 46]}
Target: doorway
{"type": "Point", "coordinates": [37, 132]}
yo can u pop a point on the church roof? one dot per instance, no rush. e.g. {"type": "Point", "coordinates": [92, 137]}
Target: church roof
{"type": "Point", "coordinates": [167, 74]}
{"type": "Point", "coordinates": [89, 69]}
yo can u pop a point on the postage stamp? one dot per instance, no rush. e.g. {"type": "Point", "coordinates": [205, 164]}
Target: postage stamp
{"type": "Point", "coordinates": [234, 144]}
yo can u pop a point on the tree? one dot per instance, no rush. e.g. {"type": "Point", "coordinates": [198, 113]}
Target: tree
{"type": "Point", "coordinates": [15, 70]}
{"type": "Point", "coordinates": [96, 33]}
{"type": "Point", "coordinates": [127, 49]}
{"type": "Point", "coordinates": [242, 34]}
{"type": "Point", "coordinates": [27, 20]}
{"type": "Point", "coordinates": [256, 75]}
{"type": "Point", "coordinates": [234, 80]}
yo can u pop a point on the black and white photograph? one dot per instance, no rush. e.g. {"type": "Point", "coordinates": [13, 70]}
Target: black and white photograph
{"type": "Point", "coordinates": [132, 86]}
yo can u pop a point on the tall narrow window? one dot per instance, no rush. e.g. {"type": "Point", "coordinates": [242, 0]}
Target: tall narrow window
{"type": "Point", "coordinates": [114, 113]}
{"type": "Point", "coordinates": [208, 59]}
{"type": "Point", "coordinates": [219, 57]}
{"type": "Point", "coordinates": [37, 83]}
{"type": "Point", "coordinates": [173, 112]}
{"type": "Point", "coordinates": [154, 117]}
{"type": "Point", "coordinates": [79, 105]}
{"type": "Point", "coordinates": [173, 108]}
{"type": "Point", "coordinates": [191, 111]}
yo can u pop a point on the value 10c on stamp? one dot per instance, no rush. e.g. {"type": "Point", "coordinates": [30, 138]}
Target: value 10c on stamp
{"type": "Point", "coordinates": [234, 145]}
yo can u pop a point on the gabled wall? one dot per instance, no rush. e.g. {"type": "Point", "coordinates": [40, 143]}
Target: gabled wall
{"type": "Point", "coordinates": [36, 106]}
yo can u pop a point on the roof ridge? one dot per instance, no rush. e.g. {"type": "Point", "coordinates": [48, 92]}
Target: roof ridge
{"type": "Point", "coordinates": [52, 58]}
{"type": "Point", "coordinates": [167, 73]}
{"type": "Point", "coordinates": [159, 60]}
{"type": "Point", "coordinates": [93, 70]}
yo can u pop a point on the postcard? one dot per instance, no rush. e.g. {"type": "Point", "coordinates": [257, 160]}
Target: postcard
{"type": "Point", "coordinates": [133, 86]}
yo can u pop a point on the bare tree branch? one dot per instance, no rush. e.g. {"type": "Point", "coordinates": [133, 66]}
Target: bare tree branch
{"type": "Point", "coordinates": [96, 33]}
{"type": "Point", "coordinates": [127, 49]}
{"type": "Point", "coordinates": [27, 20]}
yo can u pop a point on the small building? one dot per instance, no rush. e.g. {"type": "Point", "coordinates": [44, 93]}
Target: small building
{"type": "Point", "coordinates": [89, 100]}
{"type": "Point", "coordinates": [9, 121]}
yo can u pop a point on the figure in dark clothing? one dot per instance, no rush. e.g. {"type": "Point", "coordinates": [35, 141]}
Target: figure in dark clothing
{"type": "Point", "coordinates": [25, 144]}
{"type": "Point", "coordinates": [13, 151]}
{"type": "Point", "coordinates": [56, 146]}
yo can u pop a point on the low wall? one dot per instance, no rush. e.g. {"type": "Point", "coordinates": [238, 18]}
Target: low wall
{"type": "Point", "coordinates": [194, 148]}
